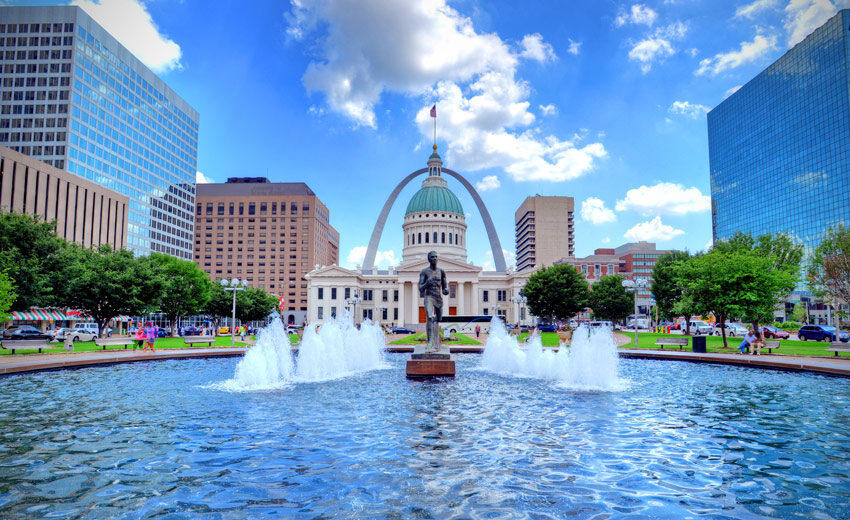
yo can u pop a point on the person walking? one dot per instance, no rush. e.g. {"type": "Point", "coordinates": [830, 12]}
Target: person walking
{"type": "Point", "coordinates": [242, 332]}
{"type": "Point", "coordinates": [477, 330]}
{"type": "Point", "coordinates": [140, 337]}
{"type": "Point", "coordinates": [151, 332]}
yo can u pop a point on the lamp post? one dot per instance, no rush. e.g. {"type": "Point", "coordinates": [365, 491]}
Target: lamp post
{"type": "Point", "coordinates": [634, 286]}
{"type": "Point", "coordinates": [353, 301]}
{"type": "Point", "coordinates": [233, 285]}
{"type": "Point", "coordinates": [520, 304]}
{"type": "Point", "coordinates": [378, 310]}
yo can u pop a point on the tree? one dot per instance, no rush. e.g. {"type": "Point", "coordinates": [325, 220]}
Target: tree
{"type": "Point", "coordinates": [829, 269]}
{"type": "Point", "coordinates": [219, 304]}
{"type": "Point", "coordinates": [610, 300]}
{"type": "Point", "coordinates": [254, 304]}
{"type": "Point", "coordinates": [558, 292]}
{"type": "Point", "coordinates": [800, 314]}
{"type": "Point", "coordinates": [735, 284]}
{"type": "Point", "coordinates": [106, 283]}
{"type": "Point", "coordinates": [186, 289]}
{"type": "Point", "coordinates": [28, 254]}
{"type": "Point", "coordinates": [667, 288]}
{"type": "Point", "coordinates": [7, 296]}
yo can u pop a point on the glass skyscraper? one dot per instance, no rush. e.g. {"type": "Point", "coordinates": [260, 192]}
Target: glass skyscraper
{"type": "Point", "coordinates": [73, 97]}
{"type": "Point", "coordinates": [779, 147]}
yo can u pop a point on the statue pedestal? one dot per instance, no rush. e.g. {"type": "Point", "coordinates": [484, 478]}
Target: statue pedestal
{"type": "Point", "coordinates": [424, 364]}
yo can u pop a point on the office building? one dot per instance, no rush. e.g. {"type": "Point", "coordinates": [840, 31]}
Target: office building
{"type": "Point", "coordinates": [544, 231]}
{"type": "Point", "coordinates": [779, 147]}
{"type": "Point", "coordinates": [271, 234]}
{"type": "Point", "coordinates": [75, 98]}
{"type": "Point", "coordinates": [85, 212]}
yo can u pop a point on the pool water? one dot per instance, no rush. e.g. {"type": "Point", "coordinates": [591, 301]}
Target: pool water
{"type": "Point", "coordinates": [679, 440]}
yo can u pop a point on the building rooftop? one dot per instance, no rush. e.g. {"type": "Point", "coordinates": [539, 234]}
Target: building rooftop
{"type": "Point", "coordinates": [252, 189]}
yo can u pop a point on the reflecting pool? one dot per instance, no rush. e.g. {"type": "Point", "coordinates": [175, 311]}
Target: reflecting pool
{"type": "Point", "coordinates": [677, 440]}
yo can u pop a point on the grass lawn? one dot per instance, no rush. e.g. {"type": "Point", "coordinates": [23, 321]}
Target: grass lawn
{"type": "Point", "coordinates": [715, 344]}
{"type": "Point", "coordinates": [161, 343]}
{"type": "Point", "coordinates": [415, 339]}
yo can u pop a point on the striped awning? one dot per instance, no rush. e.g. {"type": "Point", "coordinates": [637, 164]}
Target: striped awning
{"type": "Point", "coordinates": [38, 314]}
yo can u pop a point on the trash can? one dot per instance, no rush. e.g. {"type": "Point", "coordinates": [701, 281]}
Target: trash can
{"type": "Point", "coordinates": [698, 343]}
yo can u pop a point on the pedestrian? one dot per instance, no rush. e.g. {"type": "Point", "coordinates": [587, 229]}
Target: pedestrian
{"type": "Point", "coordinates": [140, 336]}
{"type": "Point", "coordinates": [477, 330]}
{"type": "Point", "coordinates": [151, 332]}
{"type": "Point", "coordinates": [747, 341]}
{"type": "Point", "coordinates": [242, 332]}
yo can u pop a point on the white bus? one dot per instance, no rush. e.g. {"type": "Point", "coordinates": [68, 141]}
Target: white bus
{"type": "Point", "coordinates": [464, 324]}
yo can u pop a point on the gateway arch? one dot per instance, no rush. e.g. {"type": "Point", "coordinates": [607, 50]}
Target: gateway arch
{"type": "Point", "coordinates": [495, 245]}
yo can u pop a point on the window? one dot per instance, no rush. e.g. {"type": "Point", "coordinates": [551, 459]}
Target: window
{"type": "Point", "coordinates": [333, 293]}
{"type": "Point", "coordinates": [419, 241]}
{"type": "Point", "coordinates": [333, 312]}
{"type": "Point", "coordinates": [584, 269]}
{"type": "Point", "coordinates": [347, 293]}
{"type": "Point", "coordinates": [452, 290]}
{"type": "Point", "coordinates": [443, 237]}
{"type": "Point", "coordinates": [321, 294]}
{"type": "Point", "coordinates": [485, 295]}
{"type": "Point", "coordinates": [395, 295]}
{"type": "Point", "coordinates": [426, 237]}
{"type": "Point", "coordinates": [395, 314]}
{"type": "Point", "coordinates": [385, 296]}
{"type": "Point", "coordinates": [321, 313]}
{"type": "Point", "coordinates": [252, 208]}
{"type": "Point", "coordinates": [610, 268]}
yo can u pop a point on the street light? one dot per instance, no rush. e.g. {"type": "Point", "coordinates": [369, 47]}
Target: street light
{"type": "Point", "coordinates": [520, 301]}
{"type": "Point", "coordinates": [635, 286]}
{"type": "Point", "coordinates": [233, 285]}
{"type": "Point", "coordinates": [353, 301]}
{"type": "Point", "coordinates": [379, 311]}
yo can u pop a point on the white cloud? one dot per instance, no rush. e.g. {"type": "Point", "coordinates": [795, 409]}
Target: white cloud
{"type": "Point", "coordinates": [489, 265]}
{"type": "Point", "coordinates": [708, 245]}
{"type": "Point", "coordinates": [534, 48]}
{"type": "Point", "coordinates": [657, 46]}
{"type": "Point", "coordinates": [383, 259]}
{"type": "Point", "coordinates": [685, 108]}
{"type": "Point", "coordinates": [749, 52]}
{"type": "Point", "coordinates": [200, 178]}
{"type": "Point", "coordinates": [369, 47]}
{"type": "Point", "coordinates": [664, 198]}
{"type": "Point", "coordinates": [638, 14]}
{"type": "Point", "coordinates": [490, 182]}
{"type": "Point", "coordinates": [593, 210]}
{"type": "Point", "coordinates": [754, 8]}
{"type": "Point", "coordinates": [731, 91]}
{"type": "Point", "coordinates": [548, 110]}
{"type": "Point", "coordinates": [574, 48]}
{"type": "Point", "coordinates": [652, 231]}
{"type": "Point", "coordinates": [131, 24]}
{"type": "Point", "coordinates": [606, 240]}
{"type": "Point", "coordinates": [804, 16]}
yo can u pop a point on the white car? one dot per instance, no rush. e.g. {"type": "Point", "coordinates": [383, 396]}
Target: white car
{"type": "Point", "coordinates": [732, 329]}
{"type": "Point", "coordinates": [699, 327]}
{"type": "Point", "coordinates": [82, 332]}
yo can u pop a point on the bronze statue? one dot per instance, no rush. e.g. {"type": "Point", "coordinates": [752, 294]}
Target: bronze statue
{"type": "Point", "coordinates": [432, 282]}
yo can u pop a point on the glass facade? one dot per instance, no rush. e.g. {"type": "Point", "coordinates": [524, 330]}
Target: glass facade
{"type": "Point", "coordinates": [73, 97]}
{"type": "Point", "coordinates": [779, 147]}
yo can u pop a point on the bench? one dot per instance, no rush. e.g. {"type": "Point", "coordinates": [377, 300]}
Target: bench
{"type": "Point", "coordinates": [106, 342]}
{"type": "Point", "coordinates": [25, 344]}
{"type": "Point", "coordinates": [770, 346]}
{"type": "Point", "coordinates": [838, 346]}
{"type": "Point", "coordinates": [680, 342]}
{"type": "Point", "coordinates": [191, 340]}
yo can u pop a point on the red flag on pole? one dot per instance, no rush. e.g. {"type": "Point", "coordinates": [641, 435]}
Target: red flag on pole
{"type": "Point", "coordinates": [282, 303]}
{"type": "Point", "coordinates": [434, 111]}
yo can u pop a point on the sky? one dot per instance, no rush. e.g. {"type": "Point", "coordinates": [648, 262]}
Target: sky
{"type": "Point", "coordinates": [604, 101]}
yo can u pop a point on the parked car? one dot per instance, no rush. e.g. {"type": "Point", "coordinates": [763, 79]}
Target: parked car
{"type": "Point", "coordinates": [771, 332]}
{"type": "Point", "coordinates": [699, 327]}
{"type": "Point", "coordinates": [599, 324]}
{"type": "Point", "coordinates": [25, 332]}
{"type": "Point", "coordinates": [83, 332]}
{"type": "Point", "coordinates": [401, 330]}
{"type": "Point", "coordinates": [59, 334]}
{"type": "Point", "coordinates": [224, 330]}
{"type": "Point", "coordinates": [732, 329]}
{"type": "Point", "coordinates": [191, 331]}
{"type": "Point", "coordinates": [821, 333]}
{"type": "Point", "coordinates": [291, 329]}
{"type": "Point", "coordinates": [547, 327]}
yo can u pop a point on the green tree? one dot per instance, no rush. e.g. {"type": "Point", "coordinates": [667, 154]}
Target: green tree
{"type": "Point", "coordinates": [735, 284]}
{"type": "Point", "coordinates": [558, 292]}
{"type": "Point", "coordinates": [186, 289]}
{"type": "Point", "coordinates": [610, 300]}
{"type": "Point", "coordinates": [7, 296]}
{"type": "Point", "coordinates": [667, 288]}
{"type": "Point", "coordinates": [106, 283]}
{"type": "Point", "coordinates": [29, 251]}
{"type": "Point", "coordinates": [829, 270]}
{"type": "Point", "coordinates": [799, 314]}
{"type": "Point", "coordinates": [254, 304]}
{"type": "Point", "coordinates": [219, 304]}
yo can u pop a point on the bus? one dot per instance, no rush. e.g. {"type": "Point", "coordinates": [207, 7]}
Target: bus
{"type": "Point", "coordinates": [464, 324]}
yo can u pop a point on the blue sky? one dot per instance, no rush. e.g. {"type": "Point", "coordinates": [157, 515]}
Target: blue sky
{"type": "Point", "coordinates": [601, 100]}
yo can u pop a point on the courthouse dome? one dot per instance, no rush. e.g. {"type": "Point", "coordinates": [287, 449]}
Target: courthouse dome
{"type": "Point", "coordinates": [434, 198]}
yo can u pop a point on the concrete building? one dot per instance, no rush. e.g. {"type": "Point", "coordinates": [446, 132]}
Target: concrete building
{"type": "Point", "coordinates": [434, 220]}
{"type": "Point", "coordinates": [544, 231]}
{"type": "Point", "coordinates": [271, 234]}
{"type": "Point", "coordinates": [634, 260]}
{"type": "Point", "coordinates": [779, 147]}
{"type": "Point", "coordinates": [85, 212]}
{"type": "Point", "coordinates": [75, 98]}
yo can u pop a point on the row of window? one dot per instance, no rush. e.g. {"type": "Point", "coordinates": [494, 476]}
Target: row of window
{"type": "Point", "coordinates": [252, 208]}
{"type": "Point", "coordinates": [23, 28]}
{"type": "Point", "coordinates": [416, 238]}
{"type": "Point", "coordinates": [367, 313]}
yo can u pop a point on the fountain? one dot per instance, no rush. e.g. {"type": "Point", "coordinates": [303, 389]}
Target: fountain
{"type": "Point", "coordinates": [590, 363]}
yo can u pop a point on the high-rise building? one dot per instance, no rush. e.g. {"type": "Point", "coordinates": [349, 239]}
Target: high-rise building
{"type": "Point", "coordinates": [779, 147]}
{"type": "Point", "coordinates": [75, 98]}
{"type": "Point", "coordinates": [270, 234]}
{"type": "Point", "coordinates": [84, 212]}
{"type": "Point", "coordinates": [544, 231]}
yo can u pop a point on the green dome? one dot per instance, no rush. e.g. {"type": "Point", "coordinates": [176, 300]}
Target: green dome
{"type": "Point", "coordinates": [436, 199]}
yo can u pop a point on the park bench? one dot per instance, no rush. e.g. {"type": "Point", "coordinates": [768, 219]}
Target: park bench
{"type": "Point", "coordinates": [838, 346]}
{"type": "Point", "coordinates": [770, 346]}
{"type": "Point", "coordinates": [25, 344]}
{"type": "Point", "coordinates": [680, 342]}
{"type": "Point", "coordinates": [191, 340]}
{"type": "Point", "coordinates": [108, 342]}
